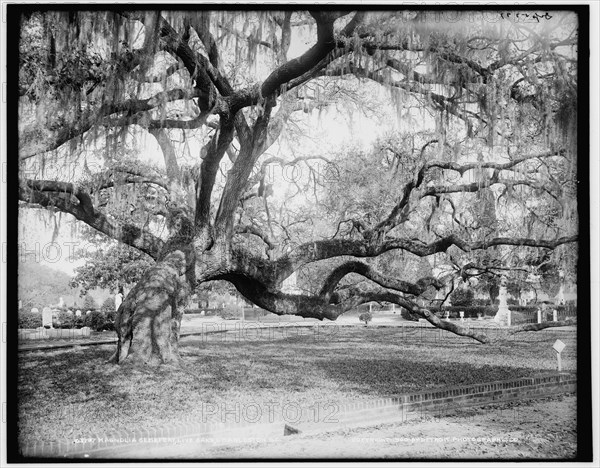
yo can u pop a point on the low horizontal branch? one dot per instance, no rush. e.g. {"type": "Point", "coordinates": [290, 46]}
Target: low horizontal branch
{"type": "Point", "coordinates": [78, 203]}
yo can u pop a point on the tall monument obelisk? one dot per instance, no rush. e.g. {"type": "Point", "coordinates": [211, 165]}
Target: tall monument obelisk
{"type": "Point", "coordinates": [503, 315]}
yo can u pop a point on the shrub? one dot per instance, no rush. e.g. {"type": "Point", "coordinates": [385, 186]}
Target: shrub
{"type": "Point", "coordinates": [365, 317]}
{"type": "Point", "coordinates": [481, 302]}
{"type": "Point", "coordinates": [406, 315]}
{"type": "Point", "coordinates": [96, 320]}
{"type": "Point", "coordinates": [524, 309]}
{"type": "Point", "coordinates": [470, 311]}
{"type": "Point", "coordinates": [109, 320]}
{"type": "Point", "coordinates": [30, 319]}
{"type": "Point", "coordinates": [462, 297]}
{"type": "Point", "coordinates": [215, 311]}
{"type": "Point", "coordinates": [89, 303]}
{"type": "Point", "coordinates": [227, 314]}
{"type": "Point", "coordinates": [64, 320]}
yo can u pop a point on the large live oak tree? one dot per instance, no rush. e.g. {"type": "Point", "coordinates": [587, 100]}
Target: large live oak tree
{"type": "Point", "coordinates": [503, 99]}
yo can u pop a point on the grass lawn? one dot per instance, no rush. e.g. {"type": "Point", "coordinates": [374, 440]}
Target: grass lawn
{"type": "Point", "coordinates": [72, 393]}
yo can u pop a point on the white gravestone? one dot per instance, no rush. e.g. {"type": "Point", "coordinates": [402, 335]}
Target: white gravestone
{"type": "Point", "coordinates": [77, 313]}
{"type": "Point", "coordinates": [47, 317]}
{"type": "Point", "coordinates": [462, 316]}
{"type": "Point", "coordinates": [558, 347]}
{"type": "Point", "coordinates": [502, 317]}
{"type": "Point", "coordinates": [555, 315]}
{"type": "Point", "coordinates": [35, 310]}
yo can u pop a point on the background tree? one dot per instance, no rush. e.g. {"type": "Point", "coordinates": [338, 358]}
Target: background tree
{"type": "Point", "coordinates": [108, 305]}
{"type": "Point", "coordinates": [492, 113]}
{"type": "Point", "coordinates": [89, 303]}
{"type": "Point", "coordinates": [110, 267]}
{"type": "Point", "coordinates": [365, 317]}
{"type": "Point", "coordinates": [462, 296]}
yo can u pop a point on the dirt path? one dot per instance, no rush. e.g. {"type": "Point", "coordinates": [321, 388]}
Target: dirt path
{"type": "Point", "coordinates": [542, 429]}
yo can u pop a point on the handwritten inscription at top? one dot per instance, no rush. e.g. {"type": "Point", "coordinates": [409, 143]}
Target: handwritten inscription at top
{"type": "Point", "coordinates": [525, 16]}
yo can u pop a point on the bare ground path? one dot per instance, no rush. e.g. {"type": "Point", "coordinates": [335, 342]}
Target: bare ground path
{"type": "Point", "coordinates": [535, 429]}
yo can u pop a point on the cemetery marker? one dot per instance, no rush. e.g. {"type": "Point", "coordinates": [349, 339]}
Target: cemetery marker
{"type": "Point", "coordinates": [558, 347]}
{"type": "Point", "coordinates": [47, 317]}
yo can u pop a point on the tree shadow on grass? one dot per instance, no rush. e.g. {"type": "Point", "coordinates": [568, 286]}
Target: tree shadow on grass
{"type": "Point", "coordinates": [381, 377]}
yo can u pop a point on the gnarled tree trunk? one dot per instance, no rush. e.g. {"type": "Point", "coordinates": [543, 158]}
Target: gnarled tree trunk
{"type": "Point", "coordinates": [149, 319]}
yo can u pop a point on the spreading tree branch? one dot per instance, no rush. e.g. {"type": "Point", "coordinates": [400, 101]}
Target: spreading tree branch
{"type": "Point", "coordinates": [68, 198]}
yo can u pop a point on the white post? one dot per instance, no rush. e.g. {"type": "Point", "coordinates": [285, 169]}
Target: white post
{"type": "Point", "coordinates": [509, 317]}
{"type": "Point", "coordinates": [559, 363]}
{"type": "Point", "coordinates": [370, 307]}
{"type": "Point", "coordinates": [393, 308]}
{"type": "Point", "coordinates": [555, 315]}
{"type": "Point", "coordinates": [539, 313]}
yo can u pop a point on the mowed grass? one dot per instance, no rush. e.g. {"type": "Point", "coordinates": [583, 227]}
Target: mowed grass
{"type": "Point", "coordinates": [73, 393]}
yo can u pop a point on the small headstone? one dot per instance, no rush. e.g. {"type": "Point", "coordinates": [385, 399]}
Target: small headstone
{"type": "Point", "coordinates": [20, 304]}
{"type": "Point", "coordinates": [447, 315]}
{"type": "Point", "coordinates": [479, 316]}
{"type": "Point", "coordinates": [77, 313]}
{"type": "Point", "coordinates": [462, 315]}
{"type": "Point", "coordinates": [202, 312]}
{"type": "Point", "coordinates": [47, 317]}
{"type": "Point", "coordinates": [88, 312]}
{"type": "Point", "coordinates": [555, 315]}
{"type": "Point", "coordinates": [85, 331]}
{"type": "Point", "coordinates": [558, 347]}
{"type": "Point", "coordinates": [35, 310]}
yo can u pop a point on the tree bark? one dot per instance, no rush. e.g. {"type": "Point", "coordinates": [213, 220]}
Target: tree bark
{"type": "Point", "coordinates": [149, 319]}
